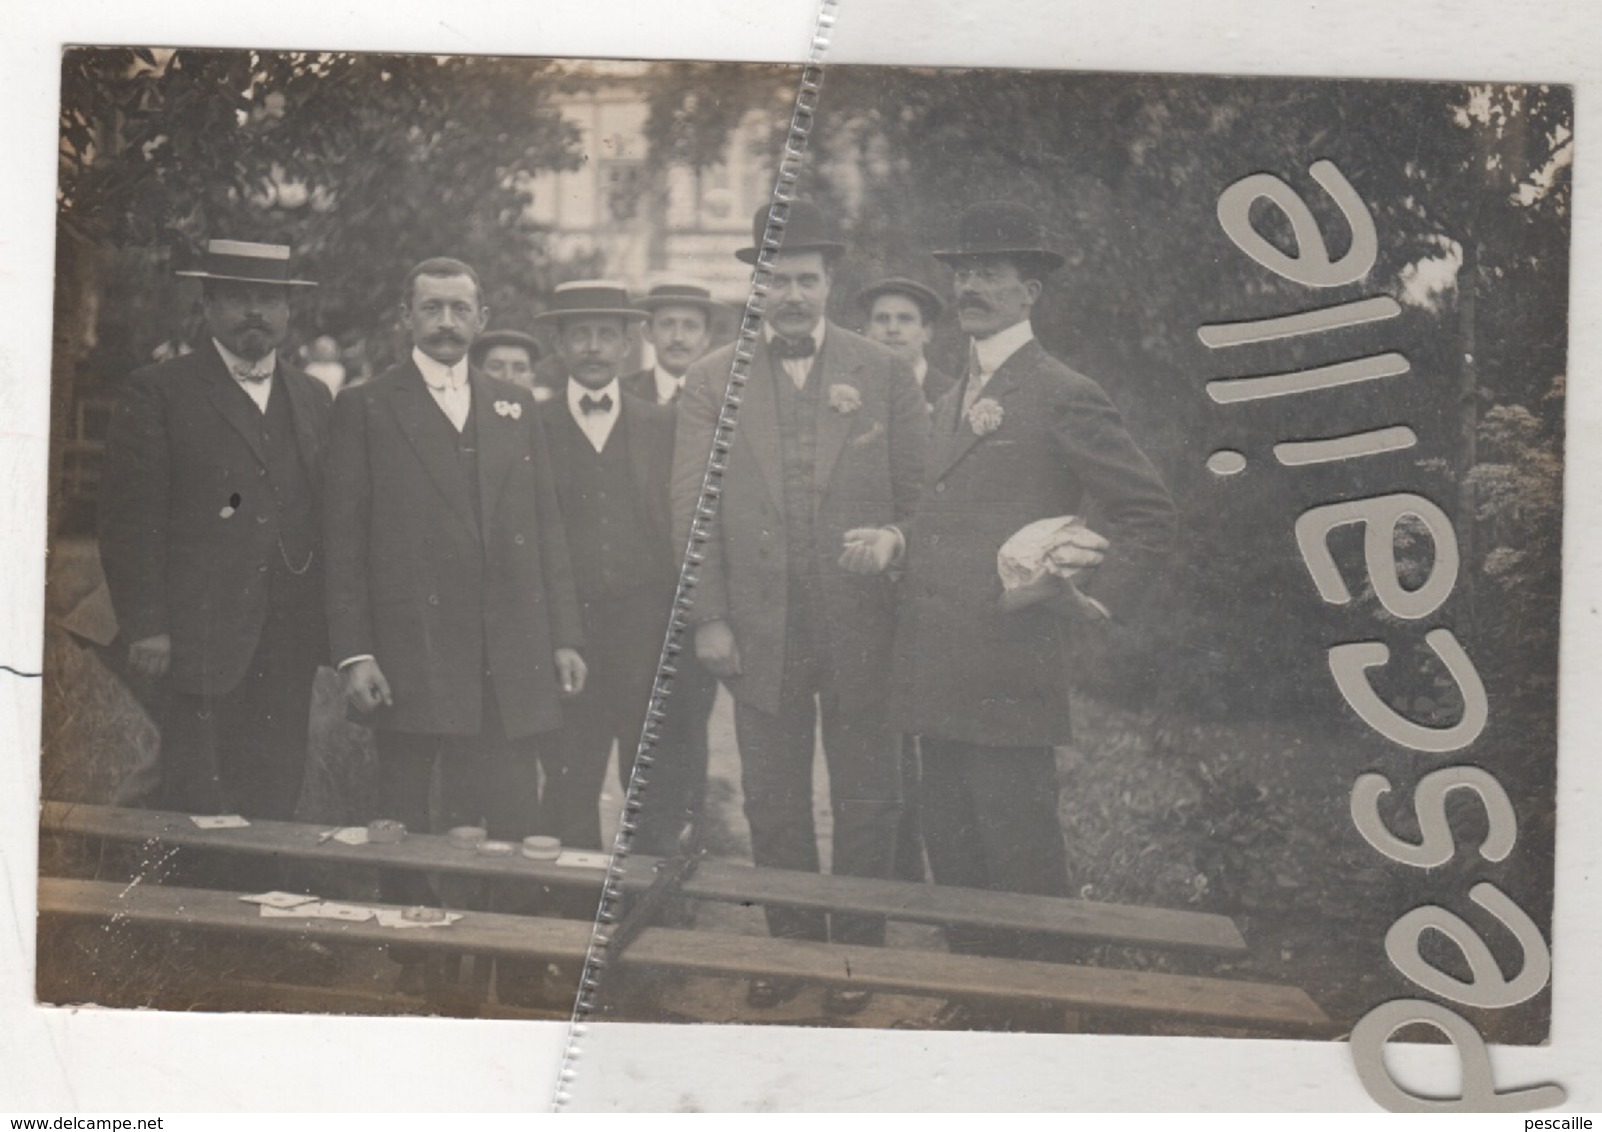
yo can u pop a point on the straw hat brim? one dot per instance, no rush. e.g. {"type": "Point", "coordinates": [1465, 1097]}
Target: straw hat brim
{"type": "Point", "coordinates": [585, 312]}
{"type": "Point", "coordinates": [246, 279]}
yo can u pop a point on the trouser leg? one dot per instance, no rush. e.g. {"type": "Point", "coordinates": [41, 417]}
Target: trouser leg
{"type": "Point", "coordinates": [676, 783]}
{"type": "Point", "coordinates": [909, 864]}
{"type": "Point", "coordinates": [776, 776]}
{"type": "Point", "coordinates": [865, 791]}
{"type": "Point", "coordinates": [405, 777]}
{"type": "Point", "coordinates": [951, 830]}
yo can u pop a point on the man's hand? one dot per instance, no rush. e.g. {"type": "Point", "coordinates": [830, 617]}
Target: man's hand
{"type": "Point", "coordinates": [364, 686]}
{"type": "Point", "coordinates": [151, 656]}
{"type": "Point", "coordinates": [715, 648]}
{"type": "Point", "coordinates": [1081, 549]}
{"type": "Point", "coordinates": [870, 550]}
{"type": "Point", "coordinates": [570, 672]}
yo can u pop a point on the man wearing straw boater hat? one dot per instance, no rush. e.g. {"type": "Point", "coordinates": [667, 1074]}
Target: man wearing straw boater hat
{"type": "Point", "coordinates": [612, 454]}
{"type": "Point", "coordinates": [450, 594]}
{"type": "Point", "coordinates": [678, 325]}
{"type": "Point", "coordinates": [826, 455]}
{"type": "Point", "coordinates": [211, 541]}
{"type": "Point", "coordinates": [981, 674]}
{"type": "Point", "coordinates": [900, 313]}
{"type": "Point", "coordinates": [679, 318]}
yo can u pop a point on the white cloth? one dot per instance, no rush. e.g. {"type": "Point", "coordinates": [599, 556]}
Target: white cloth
{"type": "Point", "coordinates": [596, 426]}
{"type": "Point", "coordinates": [449, 385]}
{"type": "Point", "coordinates": [920, 370]}
{"type": "Point", "coordinates": [799, 368]}
{"type": "Point", "coordinates": [259, 388]}
{"type": "Point", "coordinates": [667, 386]}
{"type": "Point", "coordinates": [1059, 547]}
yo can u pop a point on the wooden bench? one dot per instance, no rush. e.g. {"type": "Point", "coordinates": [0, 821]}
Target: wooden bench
{"type": "Point", "coordinates": [1101, 990]}
{"type": "Point", "coordinates": [1086, 921]}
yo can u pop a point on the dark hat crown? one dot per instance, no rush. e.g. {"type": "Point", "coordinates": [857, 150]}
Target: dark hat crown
{"type": "Point", "coordinates": [927, 301]}
{"type": "Point", "coordinates": [1002, 228]}
{"type": "Point", "coordinates": [798, 226]}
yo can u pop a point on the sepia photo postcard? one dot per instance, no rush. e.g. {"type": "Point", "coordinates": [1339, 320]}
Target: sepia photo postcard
{"type": "Point", "coordinates": [616, 564]}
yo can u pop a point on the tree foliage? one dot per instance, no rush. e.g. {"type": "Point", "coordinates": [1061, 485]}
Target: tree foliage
{"type": "Point", "coordinates": [364, 163]}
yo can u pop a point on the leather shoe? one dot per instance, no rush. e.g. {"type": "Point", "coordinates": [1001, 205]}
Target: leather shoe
{"type": "Point", "coordinates": [843, 1001]}
{"type": "Point", "coordinates": [765, 993]}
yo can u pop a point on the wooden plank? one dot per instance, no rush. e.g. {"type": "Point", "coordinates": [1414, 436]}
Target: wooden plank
{"type": "Point", "coordinates": [485, 933]}
{"type": "Point", "coordinates": [904, 971]}
{"type": "Point", "coordinates": [929, 973]}
{"type": "Point", "coordinates": [1086, 920]}
{"type": "Point", "coordinates": [724, 881]}
{"type": "Point", "coordinates": [298, 841]}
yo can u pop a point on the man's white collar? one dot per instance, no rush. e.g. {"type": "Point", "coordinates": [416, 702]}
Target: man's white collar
{"type": "Point", "coordinates": [994, 351]}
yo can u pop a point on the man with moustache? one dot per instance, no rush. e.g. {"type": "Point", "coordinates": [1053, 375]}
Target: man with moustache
{"type": "Point", "coordinates": [985, 686]}
{"type": "Point", "coordinates": [211, 542]}
{"type": "Point", "coordinates": [679, 314]}
{"type": "Point", "coordinates": [451, 604]}
{"type": "Point", "coordinates": [612, 454]}
{"type": "Point", "coordinates": [508, 355]}
{"type": "Point", "coordinates": [900, 314]}
{"type": "Point", "coordinates": [826, 456]}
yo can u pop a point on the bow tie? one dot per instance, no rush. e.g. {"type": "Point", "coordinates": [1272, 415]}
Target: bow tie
{"type": "Point", "coordinates": [782, 347]}
{"type": "Point", "coordinates": [246, 372]}
{"type": "Point", "coordinates": [601, 404]}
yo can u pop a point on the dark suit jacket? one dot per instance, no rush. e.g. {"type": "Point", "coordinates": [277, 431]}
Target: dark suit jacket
{"type": "Point", "coordinates": [964, 669]}
{"type": "Point", "coordinates": [641, 384]}
{"type": "Point", "coordinates": [180, 557]}
{"type": "Point", "coordinates": [433, 590]}
{"type": "Point", "coordinates": [936, 384]}
{"type": "Point", "coordinates": [868, 468]}
{"type": "Point", "coordinates": [650, 453]}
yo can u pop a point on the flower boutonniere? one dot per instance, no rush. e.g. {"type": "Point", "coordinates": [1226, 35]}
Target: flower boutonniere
{"type": "Point", "coordinates": [513, 409]}
{"type": "Point", "coordinates": [984, 416]}
{"type": "Point", "coordinates": [844, 398]}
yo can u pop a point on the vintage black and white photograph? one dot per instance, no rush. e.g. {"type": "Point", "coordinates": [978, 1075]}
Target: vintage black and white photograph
{"type": "Point", "coordinates": [1123, 517]}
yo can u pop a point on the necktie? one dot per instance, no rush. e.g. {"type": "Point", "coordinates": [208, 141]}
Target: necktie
{"type": "Point", "coordinates": [975, 383]}
{"type": "Point", "coordinates": [454, 400]}
{"type": "Point", "coordinates": [601, 404]}
{"type": "Point", "coordinates": [247, 372]}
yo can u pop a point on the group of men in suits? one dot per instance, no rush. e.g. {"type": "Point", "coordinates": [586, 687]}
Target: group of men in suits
{"type": "Point", "coordinates": [489, 561]}
{"type": "Point", "coordinates": [849, 574]}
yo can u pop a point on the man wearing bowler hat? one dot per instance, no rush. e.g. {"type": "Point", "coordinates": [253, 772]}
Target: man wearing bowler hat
{"type": "Point", "coordinates": [508, 355]}
{"type": "Point", "coordinates": [211, 541]}
{"type": "Point", "coordinates": [900, 313]}
{"type": "Point", "coordinates": [1022, 438]}
{"type": "Point", "coordinates": [450, 593]}
{"type": "Point", "coordinates": [612, 454]}
{"type": "Point", "coordinates": [678, 324]}
{"type": "Point", "coordinates": [826, 456]}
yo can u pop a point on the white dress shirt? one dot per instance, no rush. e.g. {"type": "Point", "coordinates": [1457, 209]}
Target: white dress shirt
{"type": "Point", "coordinates": [920, 370]}
{"type": "Point", "coordinates": [596, 426]}
{"type": "Point", "coordinates": [449, 385]}
{"type": "Point", "coordinates": [798, 368]}
{"type": "Point", "coordinates": [259, 388]}
{"type": "Point", "coordinates": [987, 355]}
{"type": "Point", "coordinates": [667, 386]}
